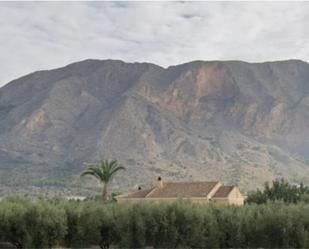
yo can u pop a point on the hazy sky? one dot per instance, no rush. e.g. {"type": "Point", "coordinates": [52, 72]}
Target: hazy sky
{"type": "Point", "coordinates": [42, 35]}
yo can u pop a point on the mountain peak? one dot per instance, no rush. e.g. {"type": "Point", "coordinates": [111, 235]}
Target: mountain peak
{"type": "Point", "coordinates": [238, 122]}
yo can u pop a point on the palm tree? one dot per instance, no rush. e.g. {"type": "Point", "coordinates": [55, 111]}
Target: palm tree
{"type": "Point", "coordinates": [104, 171]}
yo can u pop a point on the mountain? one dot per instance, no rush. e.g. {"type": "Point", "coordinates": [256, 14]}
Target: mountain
{"type": "Point", "coordinates": [241, 123]}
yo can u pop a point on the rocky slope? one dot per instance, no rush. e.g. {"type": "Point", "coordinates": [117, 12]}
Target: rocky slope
{"type": "Point", "coordinates": [241, 123]}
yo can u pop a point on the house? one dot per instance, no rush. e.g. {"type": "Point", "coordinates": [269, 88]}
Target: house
{"type": "Point", "coordinates": [75, 198]}
{"type": "Point", "coordinates": [197, 192]}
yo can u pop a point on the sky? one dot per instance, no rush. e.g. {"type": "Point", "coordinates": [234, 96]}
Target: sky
{"type": "Point", "coordinates": [46, 35]}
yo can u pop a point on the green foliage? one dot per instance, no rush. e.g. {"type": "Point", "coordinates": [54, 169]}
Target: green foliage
{"type": "Point", "coordinates": [104, 171]}
{"type": "Point", "coordinates": [180, 224]}
{"type": "Point", "coordinates": [280, 190]}
{"type": "Point", "coordinates": [74, 237]}
{"type": "Point", "coordinates": [28, 224]}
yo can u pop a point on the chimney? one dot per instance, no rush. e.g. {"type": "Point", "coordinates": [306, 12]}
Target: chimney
{"type": "Point", "coordinates": [160, 182]}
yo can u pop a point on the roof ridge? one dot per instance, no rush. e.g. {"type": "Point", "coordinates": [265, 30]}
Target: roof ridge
{"type": "Point", "coordinates": [128, 194]}
{"type": "Point", "coordinates": [151, 191]}
{"type": "Point", "coordinates": [224, 186]}
{"type": "Point", "coordinates": [194, 182]}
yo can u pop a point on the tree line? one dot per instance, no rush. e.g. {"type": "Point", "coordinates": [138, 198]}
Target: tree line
{"type": "Point", "coordinates": [280, 190]}
{"type": "Point", "coordinates": [80, 224]}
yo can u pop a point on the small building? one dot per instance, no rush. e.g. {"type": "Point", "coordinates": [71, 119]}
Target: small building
{"type": "Point", "coordinates": [197, 192]}
{"type": "Point", "coordinates": [75, 198]}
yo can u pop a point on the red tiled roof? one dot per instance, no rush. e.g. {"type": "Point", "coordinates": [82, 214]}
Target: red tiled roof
{"type": "Point", "coordinates": [137, 194]}
{"type": "Point", "coordinates": [182, 189]}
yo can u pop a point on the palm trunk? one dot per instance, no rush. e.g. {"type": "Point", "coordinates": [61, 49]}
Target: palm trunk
{"type": "Point", "coordinates": [104, 193]}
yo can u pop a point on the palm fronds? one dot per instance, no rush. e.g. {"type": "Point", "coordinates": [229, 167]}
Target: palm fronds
{"type": "Point", "coordinates": [104, 171]}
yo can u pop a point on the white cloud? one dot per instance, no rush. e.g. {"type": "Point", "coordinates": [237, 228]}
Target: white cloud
{"type": "Point", "coordinates": [45, 35]}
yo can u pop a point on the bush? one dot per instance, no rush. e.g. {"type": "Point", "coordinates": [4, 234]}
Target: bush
{"type": "Point", "coordinates": [28, 224]}
{"type": "Point", "coordinates": [280, 190]}
{"type": "Point", "coordinates": [13, 227]}
{"type": "Point", "coordinates": [180, 224]}
{"type": "Point", "coordinates": [73, 238]}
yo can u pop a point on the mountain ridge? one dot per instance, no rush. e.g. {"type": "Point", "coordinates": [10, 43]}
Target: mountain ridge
{"type": "Point", "coordinates": [149, 63]}
{"type": "Point", "coordinates": [238, 122]}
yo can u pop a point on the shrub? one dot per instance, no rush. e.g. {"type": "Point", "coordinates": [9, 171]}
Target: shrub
{"type": "Point", "coordinates": [180, 224]}
{"type": "Point", "coordinates": [28, 224]}
{"type": "Point", "coordinates": [280, 190]}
